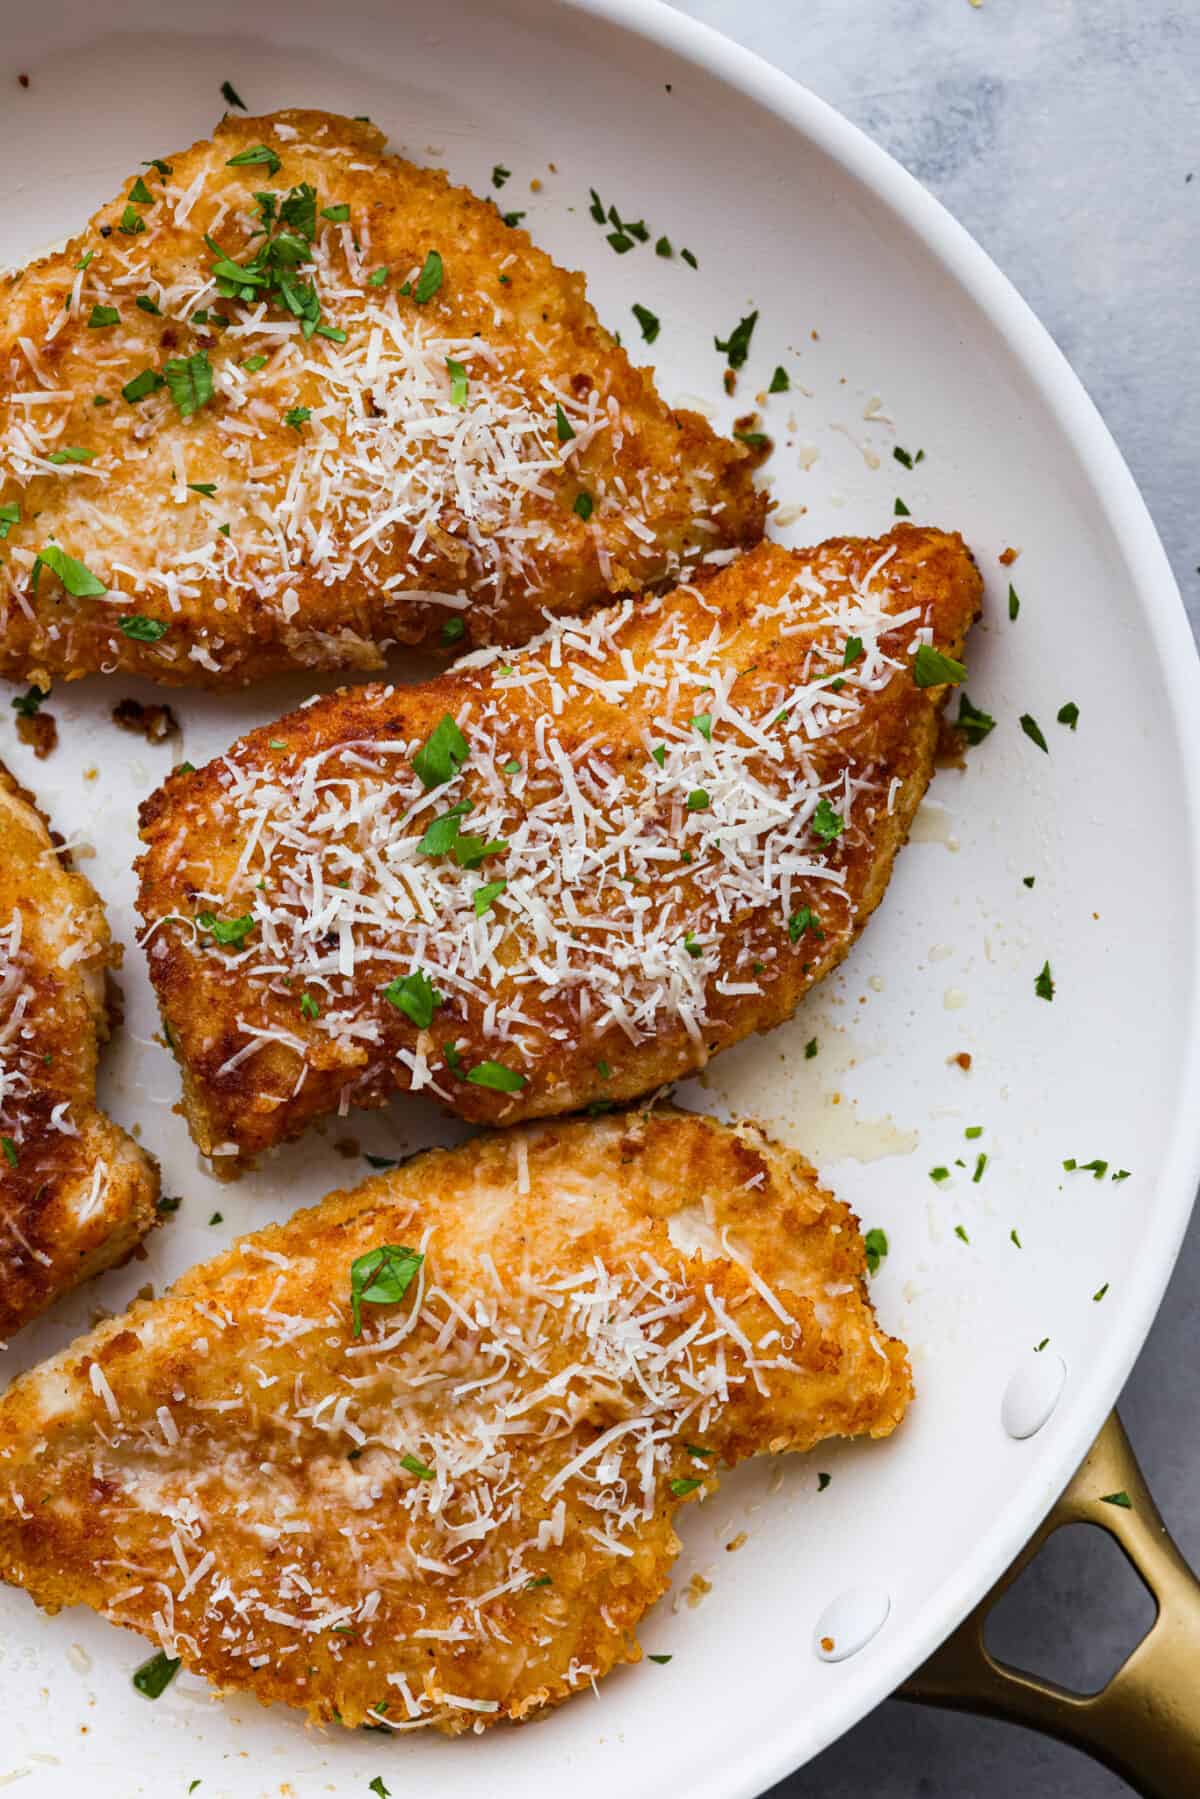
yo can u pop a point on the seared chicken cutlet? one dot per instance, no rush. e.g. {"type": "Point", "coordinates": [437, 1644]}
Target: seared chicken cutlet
{"type": "Point", "coordinates": [289, 400]}
{"type": "Point", "coordinates": [76, 1194]}
{"type": "Point", "coordinates": [557, 877]}
{"type": "Point", "coordinates": [414, 1457]}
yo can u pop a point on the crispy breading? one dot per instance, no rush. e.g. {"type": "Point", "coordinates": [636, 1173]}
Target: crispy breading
{"type": "Point", "coordinates": [383, 427]}
{"type": "Point", "coordinates": [671, 821]}
{"type": "Point", "coordinates": [461, 1515]}
{"type": "Point", "coordinates": [76, 1193]}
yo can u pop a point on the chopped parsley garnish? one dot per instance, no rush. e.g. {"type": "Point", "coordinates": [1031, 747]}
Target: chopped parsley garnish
{"type": "Point", "coordinates": [337, 215]}
{"type": "Point", "coordinates": [596, 209]}
{"type": "Point", "coordinates": [429, 280]}
{"type": "Point", "coordinates": [512, 218]}
{"type": "Point", "coordinates": [646, 319]}
{"type": "Point", "coordinates": [148, 382]}
{"type": "Point", "coordinates": [190, 380]}
{"type": "Point", "coordinates": [416, 996]}
{"type": "Point", "coordinates": [60, 457]}
{"type": "Point", "coordinates": [563, 427]}
{"type": "Point", "coordinates": [810, 1049]}
{"type": "Point", "coordinates": [1033, 731]}
{"type": "Point", "coordinates": [485, 895]}
{"type": "Point", "coordinates": [10, 1151]}
{"type": "Point", "coordinates": [939, 1174]}
{"type": "Point", "coordinates": [1069, 714]}
{"type": "Point", "coordinates": [10, 515]}
{"type": "Point", "coordinates": [141, 629]}
{"type": "Point", "coordinates": [1122, 1499]}
{"type": "Point", "coordinates": [168, 1203]}
{"type": "Point", "coordinates": [140, 194]}
{"type": "Point", "coordinates": [297, 416]}
{"type": "Point", "coordinates": [754, 440]}
{"type": "Point", "coordinates": [156, 162]}
{"type": "Point", "coordinates": [377, 1787]}
{"type": "Point", "coordinates": [131, 222]}
{"type": "Point", "coordinates": [1013, 1238]}
{"type": "Point", "coordinates": [1028, 880]}
{"type": "Point", "coordinates": [458, 382]}
{"type": "Point", "coordinates": [500, 175]}
{"type": "Point", "coordinates": [663, 247]}
{"type": "Point", "coordinates": [703, 723]}
{"type": "Point", "coordinates": [694, 948]}
{"type": "Point", "coordinates": [823, 1481]}
{"type": "Point", "coordinates": [780, 381]}
{"type": "Point", "coordinates": [681, 1488]}
{"type": "Point", "coordinates": [852, 652]}
{"type": "Point", "coordinates": [378, 276]}
{"type": "Point", "coordinates": [973, 723]}
{"type": "Point", "coordinates": [972, 1131]}
{"type": "Point", "coordinates": [511, 767]}
{"type": "Point", "coordinates": [381, 1277]}
{"type": "Point", "coordinates": [154, 1676]}
{"type": "Point", "coordinates": [453, 630]}
{"type": "Point", "coordinates": [689, 259]}
{"type": "Point", "coordinates": [1043, 986]}
{"type": "Point", "coordinates": [309, 1006]}
{"type": "Point", "coordinates": [226, 930]}
{"type": "Point", "coordinates": [805, 920]}
{"type": "Point", "coordinates": [496, 1076]}
{"type": "Point", "coordinates": [382, 1161]}
{"type": "Point", "coordinates": [1098, 1295]}
{"type": "Point", "coordinates": [583, 505]}
{"type": "Point", "coordinates": [825, 823]}
{"type": "Point", "coordinates": [659, 752]}
{"type": "Point", "coordinates": [442, 832]}
{"type": "Point", "coordinates": [26, 704]}
{"type": "Point", "coordinates": [207, 488]}
{"type": "Point", "coordinates": [981, 1162]}
{"type": "Point", "coordinates": [698, 800]}
{"type": "Point", "coordinates": [78, 580]}
{"type": "Point", "coordinates": [411, 1465]}
{"type": "Point", "coordinates": [230, 95]}
{"type": "Point", "coordinates": [736, 346]}
{"type": "Point", "coordinates": [102, 316]}
{"type": "Point", "coordinates": [1014, 604]}
{"type": "Point", "coordinates": [931, 668]}
{"type": "Point", "coordinates": [257, 154]}
{"type": "Point", "coordinates": [442, 754]}
{"type": "Point", "coordinates": [876, 1245]}
{"type": "Point", "coordinates": [960, 1231]}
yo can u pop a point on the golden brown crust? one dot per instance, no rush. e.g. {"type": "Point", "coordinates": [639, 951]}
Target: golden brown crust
{"type": "Point", "coordinates": [253, 1463]}
{"type": "Point", "coordinates": [237, 607]}
{"type": "Point", "coordinates": [76, 1193]}
{"type": "Point", "coordinates": [194, 832]}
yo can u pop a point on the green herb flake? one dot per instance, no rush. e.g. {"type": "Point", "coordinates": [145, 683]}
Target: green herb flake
{"type": "Point", "coordinates": [416, 996]}
{"type": "Point", "coordinates": [681, 1488]}
{"type": "Point", "coordinates": [140, 194]}
{"type": "Point", "coordinates": [429, 280]}
{"type": "Point", "coordinates": [659, 753]}
{"type": "Point", "coordinates": [973, 723]}
{"type": "Point", "coordinates": [453, 630]}
{"type": "Point", "coordinates": [825, 823]}
{"type": "Point", "coordinates": [780, 381]}
{"type": "Point", "coordinates": [698, 800]}
{"type": "Point", "coordinates": [309, 1006]}
{"type": "Point", "coordinates": [663, 247]}
{"type": "Point", "coordinates": [511, 767]}
{"type": "Point", "coordinates": [1043, 984]}
{"type": "Point", "coordinates": [692, 945]}
{"type": "Point", "coordinates": [823, 1481]}
{"type": "Point", "coordinates": [484, 896]}
{"type": "Point", "coordinates": [1068, 714]}
{"type": "Point", "coordinates": [1013, 1238]}
{"type": "Point", "coordinates": [981, 1163]}
{"type": "Point", "coordinates": [496, 1076]}
{"type": "Point", "coordinates": [381, 1277]}
{"type": "Point", "coordinates": [168, 1203]}
{"type": "Point", "coordinates": [78, 580]}
{"type": "Point", "coordinates": [26, 704]}
{"type": "Point", "coordinates": [512, 218]}
{"type": "Point", "coordinates": [876, 1245]}
{"type": "Point", "coordinates": [736, 347]}
{"type": "Point", "coordinates": [1033, 731]}
{"type": "Point", "coordinates": [131, 222]}
{"type": "Point", "coordinates": [226, 930]}
{"type": "Point", "coordinates": [164, 168]}
{"type": "Point", "coordinates": [10, 515]}
{"type": "Point", "coordinates": [961, 1233]}
{"type": "Point", "coordinates": [563, 427]}
{"type": "Point", "coordinates": [902, 457]}
{"type": "Point", "coordinates": [649, 323]}
{"type": "Point", "coordinates": [754, 440]}
{"type": "Point", "coordinates": [337, 215]}
{"type": "Point", "coordinates": [939, 1174]}
{"type": "Point", "coordinates": [1121, 1499]}
{"type": "Point", "coordinates": [1098, 1295]}
{"type": "Point", "coordinates": [900, 510]}
{"type": "Point", "coordinates": [852, 652]}
{"type": "Point", "coordinates": [1027, 880]}
{"type": "Point", "coordinates": [972, 1131]}
{"type": "Point", "coordinates": [442, 754]}
{"type": "Point", "coordinates": [148, 382]}
{"type": "Point", "coordinates": [101, 317]}
{"type": "Point", "coordinates": [931, 668]}
{"type": "Point", "coordinates": [378, 276]}
{"type": "Point", "coordinates": [458, 382]}
{"type": "Point", "coordinates": [140, 629]}
{"type": "Point", "coordinates": [145, 304]}
{"type": "Point", "coordinates": [583, 505]}
{"type": "Point", "coordinates": [256, 155]}
{"type": "Point", "coordinates": [411, 1465]}
{"type": "Point", "coordinates": [1121, 1174]}
{"type": "Point", "coordinates": [662, 1660]}
{"type": "Point", "coordinates": [500, 175]}
{"type": "Point", "coordinates": [62, 457]}
{"type": "Point", "coordinates": [703, 723]}
{"type": "Point", "coordinates": [207, 488]}
{"type": "Point", "coordinates": [805, 920]}
{"type": "Point", "coordinates": [689, 259]}
{"type": "Point", "coordinates": [230, 95]}
{"type": "Point", "coordinates": [297, 416]}
{"type": "Point", "coordinates": [1014, 603]}
{"type": "Point", "coordinates": [10, 1151]}
{"type": "Point", "coordinates": [154, 1676]}
{"type": "Point", "coordinates": [810, 1049]}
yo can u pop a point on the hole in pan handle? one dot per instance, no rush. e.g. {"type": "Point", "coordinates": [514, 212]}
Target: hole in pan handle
{"type": "Point", "coordinates": [1145, 1724]}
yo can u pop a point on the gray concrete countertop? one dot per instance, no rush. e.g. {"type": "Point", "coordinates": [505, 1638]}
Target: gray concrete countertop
{"type": "Point", "coordinates": [1064, 135]}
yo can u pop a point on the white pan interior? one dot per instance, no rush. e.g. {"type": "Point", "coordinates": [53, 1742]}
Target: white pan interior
{"type": "Point", "coordinates": [895, 330]}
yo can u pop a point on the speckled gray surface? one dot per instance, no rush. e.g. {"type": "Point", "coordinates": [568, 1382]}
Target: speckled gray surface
{"type": "Point", "coordinates": [1062, 133]}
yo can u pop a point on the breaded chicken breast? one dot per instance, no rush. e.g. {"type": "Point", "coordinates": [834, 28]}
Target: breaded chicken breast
{"type": "Point", "coordinates": [289, 400]}
{"type": "Point", "coordinates": [414, 1458]}
{"type": "Point", "coordinates": [76, 1194]}
{"type": "Point", "coordinates": [560, 877]}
